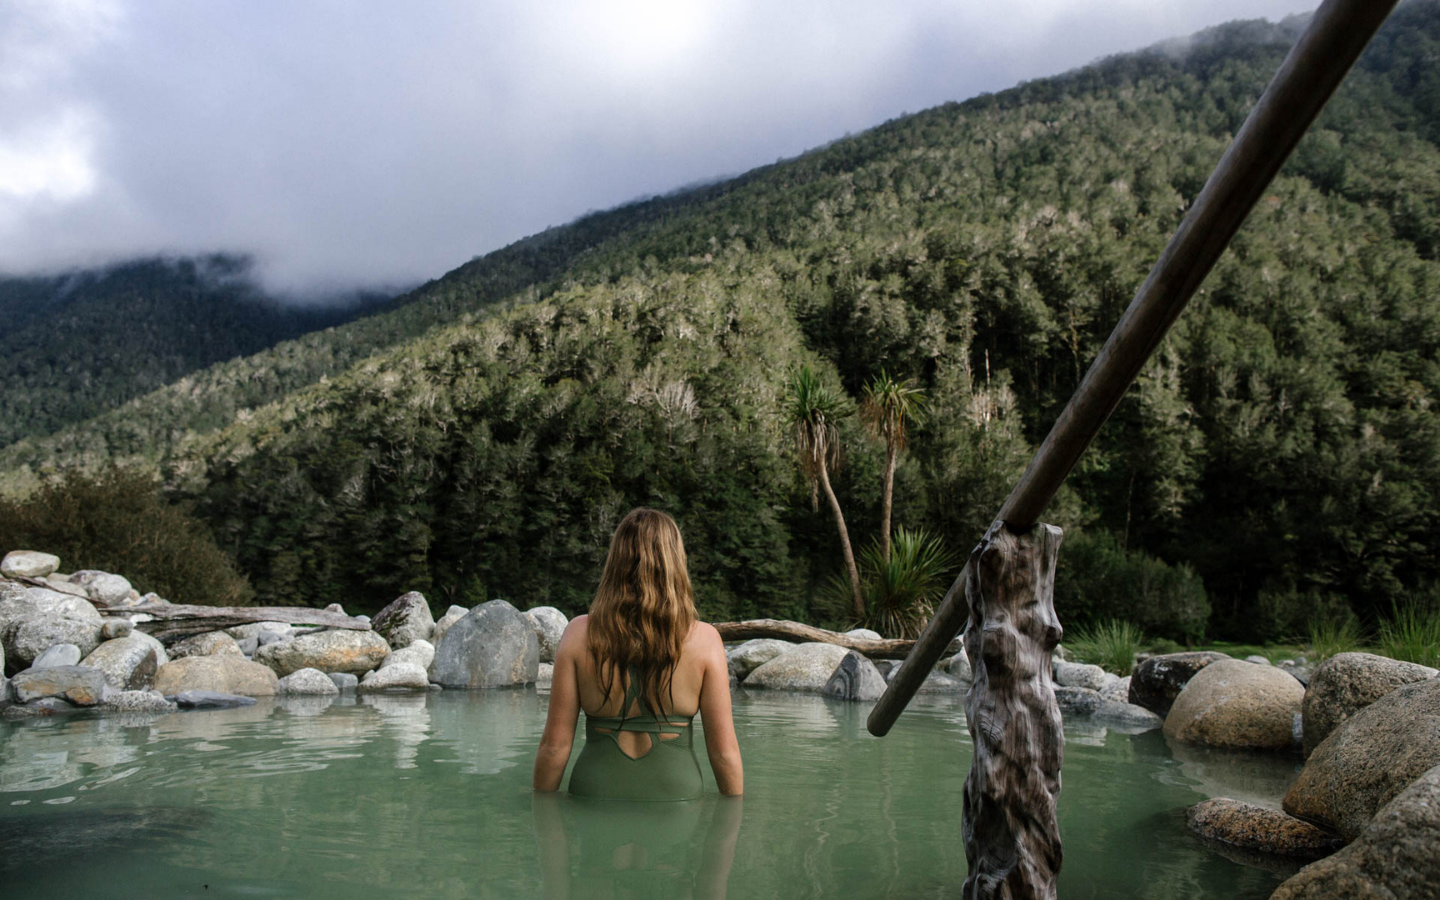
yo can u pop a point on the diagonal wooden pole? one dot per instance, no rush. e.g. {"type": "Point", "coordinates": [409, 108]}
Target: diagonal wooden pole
{"type": "Point", "coordinates": [1312, 70]}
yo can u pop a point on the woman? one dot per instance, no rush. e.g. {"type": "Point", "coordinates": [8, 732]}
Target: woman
{"type": "Point", "coordinates": [641, 666]}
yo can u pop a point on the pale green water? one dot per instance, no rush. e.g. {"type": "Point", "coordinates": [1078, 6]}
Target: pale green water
{"type": "Point", "coordinates": [429, 796]}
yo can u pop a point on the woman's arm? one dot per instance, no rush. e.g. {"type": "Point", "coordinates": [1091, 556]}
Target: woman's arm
{"type": "Point", "coordinates": [720, 740]}
{"type": "Point", "coordinates": [559, 734]}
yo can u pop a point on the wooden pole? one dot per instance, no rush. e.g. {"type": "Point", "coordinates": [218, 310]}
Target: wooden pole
{"type": "Point", "coordinates": [1315, 66]}
{"type": "Point", "coordinates": [1009, 825]}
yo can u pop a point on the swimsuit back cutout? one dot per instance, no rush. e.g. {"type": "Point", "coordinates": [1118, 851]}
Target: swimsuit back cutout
{"type": "Point", "coordinates": [666, 770]}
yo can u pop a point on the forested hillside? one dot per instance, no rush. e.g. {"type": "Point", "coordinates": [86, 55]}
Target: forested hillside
{"type": "Point", "coordinates": [1283, 448]}
{"type": "Point", "coordinates": [84, 342]}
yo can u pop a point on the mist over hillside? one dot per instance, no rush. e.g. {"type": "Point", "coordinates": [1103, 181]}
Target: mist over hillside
{"type": "Point", "coordinates": [482, 437]}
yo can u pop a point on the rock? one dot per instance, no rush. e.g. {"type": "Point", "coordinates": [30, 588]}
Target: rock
{"type": "Point", "coordinates": [1118, 691]}
{"type": "Point", "coordinates": [138, 701]}
{"type": "Point", "coordinates": [129, 663]}
{"type": "Point", "coordinates": [864, 634]}
{"type": "Point", "coordinates": [224, 674]}
{"type": "Point", "coordinates": [401, 676]}
{"type": "Point", "coordinates": [802, 667]}
{"type": "Point", "coordinates": [452, 615]}
{"type": "Point", "coordinates": [102, 587]}
{"type": "Point", "coordinates": [958, 667]}
{"type": "Point", "coordinates": [80, 685]}
{"type": "Point", "coordinates": [751, 655]}
{"type": "Point", "coordinates": [58, 655]}
{"type": "Point", "coordinates": [61, 584]}
{"type": "Point", "coordinates": [328, 651]}
{"type": "Point", "coordinates": [545, 674]}
{"type": "Point", "coordinates": [211, 643]}
{"type": "Point", "coordinates": [1393, 857]}
{"type": "Point", "coordinates": [855, 678]}
{"type": "Point", "coordinates": [549, 625]}
{"type": "Point", "coordinates": [1298, 671]}
{"type": "Point", "coordinates": [406, 620]}
{"type": "Point", "coordinates": [1257, 659]}
{"type": "Point", "coordinates": [420, 653]}
{"type": "Point", "coordinates": [1157, 681]}
{"type": "Point", "coordinates": [200, 699]}
{"type": "Point", "coordinates": [1126, 716]}
{"type": "Point", "coordinates": [1234, 704]}
{"type": "Point", "coordinates": [45, 706]}
{"type": "Point", "coordinates": [1369, 759]}
{"type": "Point", "coordinates": [940, 683]}
{"type": "Point", "coordinates": [310, 682]}
{"type": "Point", "coordinates": [1348, 682]}
{"type": "Point", "coordinates": [344, 681]}
{"type": "Point", "coordinates": [1077, 701]}
{"type": "Point", "coordinates": [28, 564]}
{"type": "Point", "coordinates": [335, 608]}
{"type": "Point", "coordinates": [493, 645]}
{"type": "Point", "coordinates": [1080, 675]}
{"type": "Point", "coordinates": [110, 629]}
{"type": "Point", "coordinates": [883, 666]}
{"type": "Point", "coordinates": [32, 620]}
{"type": "Point", "coordinates": [161, 656]}
{"type": "Point", "coordinates": [1259, 829]}
{"type": "Point", "coordinates": [253, 629]}
{"type": "Point", "coordinates": [248, 645]}
{"type": "Point", "coordinates": [266, 637]}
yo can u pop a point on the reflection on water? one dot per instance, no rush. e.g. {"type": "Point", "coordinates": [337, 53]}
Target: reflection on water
{"type": "Point", "coordinates": [389, 796]}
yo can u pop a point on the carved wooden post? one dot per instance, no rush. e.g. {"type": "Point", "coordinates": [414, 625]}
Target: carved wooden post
{"type": "Point", "coordinates": [1009, 824]}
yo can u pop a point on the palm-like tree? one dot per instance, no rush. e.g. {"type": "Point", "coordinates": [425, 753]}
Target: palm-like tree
{"type": "Point", "coordinates": [890, 407]}
{"type": "Point", "coordinates": [813, 410]}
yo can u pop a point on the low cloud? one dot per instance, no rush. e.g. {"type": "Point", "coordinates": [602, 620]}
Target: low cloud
{"type": "Point", "coordinates": [368, 143]}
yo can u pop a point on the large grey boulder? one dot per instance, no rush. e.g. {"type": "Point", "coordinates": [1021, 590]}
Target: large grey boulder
{"type": "Point", "coordinates": [1076, 701]}
{"type": "Point", "coordinates": [1118, 691]}
{"type": "Point", "coordinates": [1258, 829]}
{"type": "Point", "coordinates": [1238, 705]}
{"type": "Point", "coordinates": [58, 655]}
{"type": "Point", "coordinates": [1080, 675]}
{"type": "Point", "coordinates": [102, 587]}
{"type": "Point", "coordinates": [1157, 681]}
{"type": "Point", "coordinates": [452, 615]}
{"type": "Point", "coordinates": [803, 667]}
{"type": "Point", "coordinates": [401, 676]}
{"type": "Point", "coordinates": [128, 663]}
{"type": "Point", "coordinates": [751, 655]}
{"type": "Point", "coordinates": [856, 678]}
{"type": "Point", "coordinates": [211, 643]}
{"type": "Point", "coordinates": [419, 653]}
{"type": "Point", "coordinates": [355, 652]}
{"type": "Point", "coordinates": [309, 682]}
{"type": "Point", "coordinates": [225, 674]}
{"type": "Point", "coordinates": [864, 634]}
{"type": "Point", "coordinates": [80, 685]}
{"type": "Point", "coordinates": [28, 564]}
{"type": "Point", "coordinates": [493, 645]}
{"type": "Point", "coordinates": [407, 619]}
{"type": "Point", "coordinates": [1126, 716]}
{"type": "Point", "coordinates": [1393, 857]}
{"type": "Point", "coordinates": [1369, 759]}
{"type": "Point", "coordinates": [32, 620]}
{"type": "Point", "coordinates": [549, 624]}
{"type": "Point", "coordinates": [1348, 682]}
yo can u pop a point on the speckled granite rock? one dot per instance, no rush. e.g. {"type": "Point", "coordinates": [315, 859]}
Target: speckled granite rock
{"type": "Point", "coordinates": [1348, 682]}
{"type": "Point", "coordinates": [224, 674]}
{"type": "Point", "coordinates": [1157, 681]}
{"type": "Point", "coordinates": [1237, 705]}
{"type": "Point", "coordinates": [1256, 828]}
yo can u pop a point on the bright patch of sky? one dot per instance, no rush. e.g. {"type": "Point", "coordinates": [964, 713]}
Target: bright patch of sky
{"type": "Point", "coordinates": [360, 142]}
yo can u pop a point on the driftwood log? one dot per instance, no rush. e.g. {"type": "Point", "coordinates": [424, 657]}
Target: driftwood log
{"type": "Point", "coordinates": [1008, 822]}
{"type": "Point", "coordinates": [796, 631]}
{"type": "Point", "coordinates": [171, 622]}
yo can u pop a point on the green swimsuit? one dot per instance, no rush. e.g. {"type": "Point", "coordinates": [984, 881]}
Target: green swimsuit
{"type": "Point", "coordinates": [668, 771]}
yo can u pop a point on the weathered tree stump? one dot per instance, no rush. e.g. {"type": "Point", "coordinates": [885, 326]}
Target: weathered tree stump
{"type": "Point", "coordinates": [1009, 825]}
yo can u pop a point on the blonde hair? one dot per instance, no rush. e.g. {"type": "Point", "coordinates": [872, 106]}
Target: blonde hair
{"type": "Point", "coordinates": [644, 608]}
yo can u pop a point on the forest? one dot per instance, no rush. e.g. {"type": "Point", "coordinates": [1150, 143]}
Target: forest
{"type": "Point", "coordinates": [1278, 460]}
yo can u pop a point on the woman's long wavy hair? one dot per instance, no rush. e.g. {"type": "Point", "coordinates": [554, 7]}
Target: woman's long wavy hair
{"type": "Point", "coordinates": [644, 608]}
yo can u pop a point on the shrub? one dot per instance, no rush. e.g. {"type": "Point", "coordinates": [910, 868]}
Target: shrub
{"type": "Point", "coordinates": [1099, 581]}
{"type": "Point", "coordinates": [1111, 645]}
{"type": "Point", "coordinates": [1412, 634]}
{"type": "Point", "coordinates": [118, 521]}
{"type": "Point", "coordinates": [1289, 614]}
{"type": "Point", "coordinates": [899, 594]}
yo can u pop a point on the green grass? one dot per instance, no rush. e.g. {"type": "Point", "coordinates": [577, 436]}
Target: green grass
{"type": "Point", "coordinates": [1111, 645]}
{"type": "Point", "coordinates": [1411, 634]}
{"type": "Point", "coordinates": [1272, 652]}
{"type": "Point", "coordinates": [1331, 636]}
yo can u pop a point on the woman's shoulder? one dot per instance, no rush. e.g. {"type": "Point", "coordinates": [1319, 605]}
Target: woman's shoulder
{"type": "Point", "coordinates": [703, 636]}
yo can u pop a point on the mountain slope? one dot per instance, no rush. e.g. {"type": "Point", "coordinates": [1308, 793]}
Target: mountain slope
{"type": "Point", "coordinates": [482, 440]}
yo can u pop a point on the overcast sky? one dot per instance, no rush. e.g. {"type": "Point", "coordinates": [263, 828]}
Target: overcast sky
{"type": "Point", "coordinates": [349, 143]}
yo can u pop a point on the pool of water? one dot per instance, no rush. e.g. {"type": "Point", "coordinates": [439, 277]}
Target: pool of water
{"type": "Point", "coordinates": [390, 796]}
